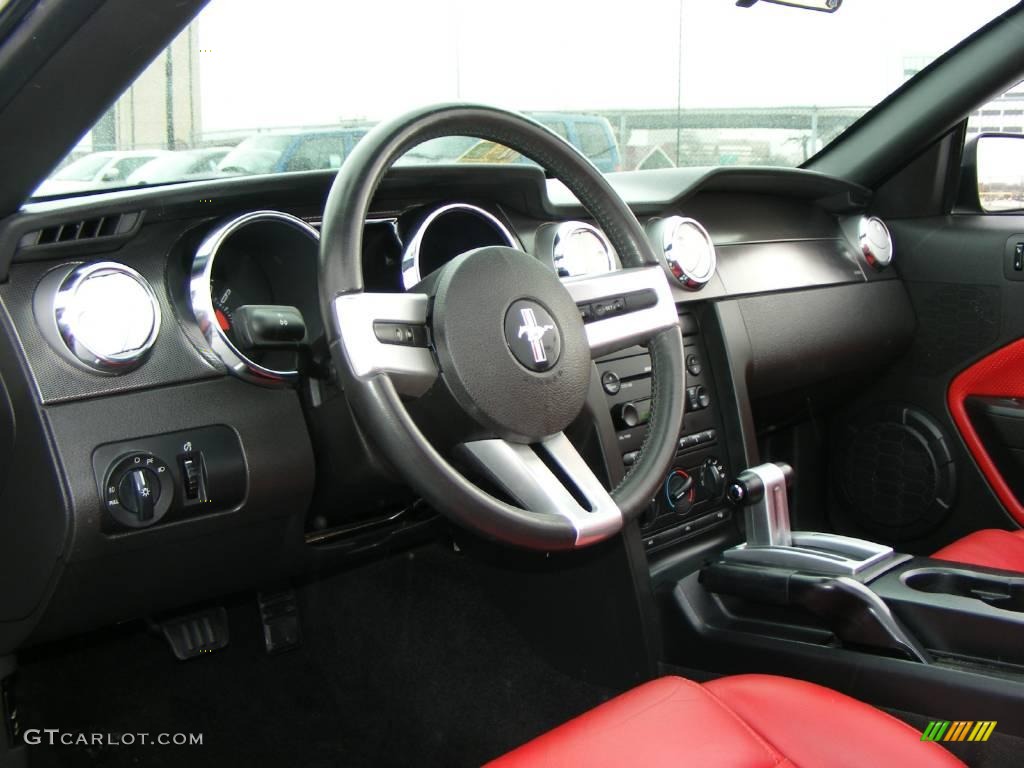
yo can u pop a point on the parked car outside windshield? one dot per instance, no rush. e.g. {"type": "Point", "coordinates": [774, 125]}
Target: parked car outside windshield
{"type": "Point", "coordinates": [646, 85]}
{"type": "Point", "coordinates": [185, 165]}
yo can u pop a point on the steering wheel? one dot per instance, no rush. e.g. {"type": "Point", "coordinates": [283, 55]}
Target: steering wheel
{"type": "Point", "coordinates": [493, 346]}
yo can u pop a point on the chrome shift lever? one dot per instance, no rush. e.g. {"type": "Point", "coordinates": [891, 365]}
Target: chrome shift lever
{"type": "Point", "coordinates": [762, 490]}
{"type": "Point", "coordinates": [771, 542]}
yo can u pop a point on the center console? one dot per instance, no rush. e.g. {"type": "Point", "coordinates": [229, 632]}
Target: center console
{"type": "Point", "coordinates": [692, 497]}
{"type": "Point", "coordinates": [912, 633]}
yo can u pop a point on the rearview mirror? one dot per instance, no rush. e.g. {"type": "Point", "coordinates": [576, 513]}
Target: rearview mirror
{"type": "Point", "coordinates": [828, 6]}
{"type": "Point", "coordinates": [998, 171]}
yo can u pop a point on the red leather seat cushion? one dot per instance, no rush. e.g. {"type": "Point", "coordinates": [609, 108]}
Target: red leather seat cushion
{"type": "Point", "coordinates": [989, 548]}
{"type": "Point", "coordinates": [748, 721]}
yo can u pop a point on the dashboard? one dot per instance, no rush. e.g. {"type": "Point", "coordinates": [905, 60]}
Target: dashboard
{"type": "Point", "coordinates": [181, 435]}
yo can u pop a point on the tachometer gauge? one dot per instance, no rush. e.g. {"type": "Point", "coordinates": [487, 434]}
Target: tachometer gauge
{"type": "Point", "coordinates": [581, 249]}
{"type": "Point", "coordinates": [264, 258]}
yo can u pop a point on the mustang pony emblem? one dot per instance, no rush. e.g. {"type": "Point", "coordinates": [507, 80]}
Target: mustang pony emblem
{"type": "Point", "coordinates": [534, 333]}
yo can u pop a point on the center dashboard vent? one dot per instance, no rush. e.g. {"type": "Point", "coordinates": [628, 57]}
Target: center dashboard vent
{"type": "Point", "coordinates": [92, 230]}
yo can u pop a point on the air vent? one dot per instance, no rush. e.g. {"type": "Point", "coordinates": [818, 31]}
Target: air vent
{"type": "Point", "coordinates": [96, 228]}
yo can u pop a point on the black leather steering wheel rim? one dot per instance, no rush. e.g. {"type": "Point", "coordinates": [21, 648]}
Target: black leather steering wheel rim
{"type": "Point", "coordinates": [374, 399]}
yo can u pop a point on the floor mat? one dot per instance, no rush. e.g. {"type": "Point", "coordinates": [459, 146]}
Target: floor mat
{"type": "Point", "coordinates": [405, 662]}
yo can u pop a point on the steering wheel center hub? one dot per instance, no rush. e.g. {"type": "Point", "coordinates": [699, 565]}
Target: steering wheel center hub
{"type": "Point", "coordinates": [532, 335]}
{"type": "Point", "coordinates": [511, 343]}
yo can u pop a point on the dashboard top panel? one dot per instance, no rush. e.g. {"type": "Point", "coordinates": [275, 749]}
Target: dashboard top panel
{"type": "Point", "coordinates": [523, 188]}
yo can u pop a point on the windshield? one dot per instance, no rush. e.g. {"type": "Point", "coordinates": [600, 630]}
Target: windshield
{"type": "Point", "coordinates": [643, 85]}
{"type": "Point", "coordinates": [84, 168]}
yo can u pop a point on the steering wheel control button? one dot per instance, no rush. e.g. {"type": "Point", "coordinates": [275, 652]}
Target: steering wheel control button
{"type": "Point", "coordinates": [610, 382]}
{"type": "Point", "coordinates": [640, 300]}
{"type": "Point", "coordinates": [617, 305]}
{"type": "Point", "coordinates": [532, 335]}
{"type": "Point", "coordinates": [403, 334]}
{"type": "Point", "coordinates": [138, 490]}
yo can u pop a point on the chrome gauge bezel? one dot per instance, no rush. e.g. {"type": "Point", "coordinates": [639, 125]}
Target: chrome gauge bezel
{"type": "Point", "coordinates": [877, 258]}
{"type": "Point", "coordinates": [411, 273]}
{"type": "Point", "coordinates": [64, 316]}
{"type": "Point", "coordinates": [566, 230]}
{"type": "Point", "coordinates": [202, 300]}
{"type": "Point", "coordinates": [690, 280]}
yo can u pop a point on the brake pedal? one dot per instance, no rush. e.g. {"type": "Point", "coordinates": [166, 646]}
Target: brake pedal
{"type": "Point", "coordinates": [279, 613]}
{"type": "Point", "coordinates": [197, 634]}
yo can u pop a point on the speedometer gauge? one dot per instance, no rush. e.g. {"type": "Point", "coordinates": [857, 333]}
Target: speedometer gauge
{"type": "Point", "coordinates": [581, 249]}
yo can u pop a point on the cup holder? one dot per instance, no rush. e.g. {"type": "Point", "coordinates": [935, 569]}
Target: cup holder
{"type": "Point", "coordinates": [998, 591]}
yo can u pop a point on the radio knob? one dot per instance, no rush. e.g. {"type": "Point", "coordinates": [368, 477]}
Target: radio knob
{"type": "Point", "coordinates": [610, 382]}
{"type": "Point", "coordinates": [627, 416]}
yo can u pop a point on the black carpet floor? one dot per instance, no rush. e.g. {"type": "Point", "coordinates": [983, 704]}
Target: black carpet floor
{"type": "Point", "coordinates": [404, 662]}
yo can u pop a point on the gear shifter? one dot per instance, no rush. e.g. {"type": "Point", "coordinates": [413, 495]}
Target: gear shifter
{"type": "Point", "coordinates": [763, 493]}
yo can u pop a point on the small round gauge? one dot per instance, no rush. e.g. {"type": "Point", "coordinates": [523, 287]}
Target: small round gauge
{"type": "Point", "coordinates": [581, 249]}
{"type": "Point", "coordinates": [103, 316]}
{"type": "Point", "coordinates": [689, 251]}
{"type": "Point", "coordinates": [875, 242]}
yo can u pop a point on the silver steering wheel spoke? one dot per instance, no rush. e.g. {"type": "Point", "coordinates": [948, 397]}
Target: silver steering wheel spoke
{"type": "Point", "coordinates": [386, 333]}
{"type": "Point", "coordinates": [525, 473]}
{"type": "Point", "coordinates": [624, 308]}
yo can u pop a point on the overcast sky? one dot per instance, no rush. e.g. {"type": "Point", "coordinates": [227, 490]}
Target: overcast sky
{"type": "Point", "coordinates": [290, 62]}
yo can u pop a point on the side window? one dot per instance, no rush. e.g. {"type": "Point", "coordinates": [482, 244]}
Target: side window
{"type": "Point", "coordinates": [999, 160]}
{"type": "Point", "coordinates": [1004, 114]}
{"type": "Point", "coordinates": [595, 141]}
{"type": "Point", "coordinates": [318, 152]}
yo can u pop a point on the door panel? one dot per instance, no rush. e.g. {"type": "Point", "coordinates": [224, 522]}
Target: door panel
{"type": "Point", "coordinates": [989, 434]}
{"type": "Point", "coordinates": [969, 341]}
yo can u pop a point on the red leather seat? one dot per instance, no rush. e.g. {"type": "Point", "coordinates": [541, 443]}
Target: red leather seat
{"type": "Point", "coordinates": [991, 548]}
{"type": "Point", "coordinates": [748, 721]}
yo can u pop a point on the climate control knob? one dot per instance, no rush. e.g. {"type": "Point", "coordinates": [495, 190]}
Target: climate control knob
{"type": "Point", "coordinates": [680, 490]}
{"type": "Point", "coordinates": [712, 479]}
